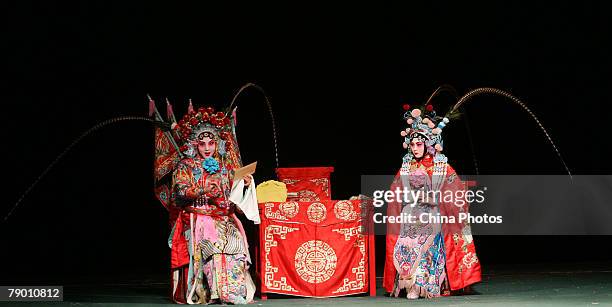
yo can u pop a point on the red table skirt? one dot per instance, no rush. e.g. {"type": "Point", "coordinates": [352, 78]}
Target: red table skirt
{"type": "Point", "coordinates": [315, 249]}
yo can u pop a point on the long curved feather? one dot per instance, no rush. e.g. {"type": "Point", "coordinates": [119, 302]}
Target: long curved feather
{"type": "Point", "coordinates": [446, 88]}
{"type": "Point", "coordinates": [489, 90]}
{"type": "Point", "coordinates": [260, 89]}
{"type": "Point", "coordinates": [74, 143]}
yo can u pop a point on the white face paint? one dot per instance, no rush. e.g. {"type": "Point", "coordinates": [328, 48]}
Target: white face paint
{"type": "Point", "coordinates": [417, 147]}
{"type": "Point", "coordinates": [207, 147]}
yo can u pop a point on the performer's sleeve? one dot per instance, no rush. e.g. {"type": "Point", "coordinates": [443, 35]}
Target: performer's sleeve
{"type": "Point", "coordinates": [184, 188]}
{"type": "Point", "coordinates": [455, 187]}
{"type": "Point", "coordinates": [246, 200]}
{"type": "Point", "coordinates": [462, 264]}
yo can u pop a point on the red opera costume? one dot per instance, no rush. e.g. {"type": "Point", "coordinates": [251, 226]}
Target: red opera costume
{"type": "Point", "coordinates": [462, 266]}
{"type": "Point", "coordinates": [427, 258]}
{"type": "Point", "coordinates": [209, 251]}
{"type": "Point", "coordinates": [424, 258]}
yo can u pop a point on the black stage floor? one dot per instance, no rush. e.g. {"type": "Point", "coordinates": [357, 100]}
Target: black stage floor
{"type": "Point", "coordinates": [512, 285]}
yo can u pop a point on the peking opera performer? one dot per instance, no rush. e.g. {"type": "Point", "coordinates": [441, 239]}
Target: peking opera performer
{"type": "Point", "coordinates": [210, 256]}
{"type": "Point", "coordinates": [428, 258]}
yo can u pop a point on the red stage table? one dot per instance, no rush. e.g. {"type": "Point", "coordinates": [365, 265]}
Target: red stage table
{"type": "Point", "coordinates": [316, 249]}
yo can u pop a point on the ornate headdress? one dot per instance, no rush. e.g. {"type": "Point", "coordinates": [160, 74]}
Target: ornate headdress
{"type": "Point", "coordinates": [195, 126]}
{"type": "Point", "coordinates": [427, 127]}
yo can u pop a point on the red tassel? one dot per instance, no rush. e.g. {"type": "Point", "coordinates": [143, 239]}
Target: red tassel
{"type": "Point", "coordinates": [169, 112]}
{"type": "Point", "coordinates": [190, 108]}
{"type": "Point", "coordinates": [151, 107]}
{"type": "Point", "coordinates": [234, 119]}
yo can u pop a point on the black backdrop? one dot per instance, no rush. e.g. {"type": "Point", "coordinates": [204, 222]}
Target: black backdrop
{"type": "Point", "coordinates": [337, 77]}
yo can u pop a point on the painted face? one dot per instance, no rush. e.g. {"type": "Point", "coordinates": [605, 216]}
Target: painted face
{"type": "Point", "coordinates": [417, 147]}
{"type": "Point", "coordinates": [207, 147]}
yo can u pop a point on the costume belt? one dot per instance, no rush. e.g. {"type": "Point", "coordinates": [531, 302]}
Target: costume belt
{"type": "Point", "coordinates": [208, 211]}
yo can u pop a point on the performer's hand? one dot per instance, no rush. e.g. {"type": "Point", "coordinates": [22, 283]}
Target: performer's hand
{"type": "Point", "coordinates": [247, 180]}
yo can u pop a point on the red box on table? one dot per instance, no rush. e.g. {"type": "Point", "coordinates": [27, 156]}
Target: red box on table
{"type": "Point", "coordinates": [306, 183]}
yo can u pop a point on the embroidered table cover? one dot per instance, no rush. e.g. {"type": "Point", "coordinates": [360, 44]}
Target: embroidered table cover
{"type": "Point", "coordinates": [316, 249]}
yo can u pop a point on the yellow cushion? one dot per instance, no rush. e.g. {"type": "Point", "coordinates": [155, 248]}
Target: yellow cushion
{"type": "Point", "coordinates": [271, 190]}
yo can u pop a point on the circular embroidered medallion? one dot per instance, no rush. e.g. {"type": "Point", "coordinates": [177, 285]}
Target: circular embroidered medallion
{"type": "Point", "coordinates": [316, 212]}
{"type": "Point", "coordinates": [289, 209]}
{"type": "Point", "coordinates": [344, 211]}
{"type": "Point", "coordinates": [315, 261]}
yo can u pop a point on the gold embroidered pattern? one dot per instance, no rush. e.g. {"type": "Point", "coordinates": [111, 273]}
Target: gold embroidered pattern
{"type": "Point", "coordinates": [275, 215]}
{"type": "Point", "coordinates": [322, 182]}
{"type": "Point", "coordinates": [344, 210]}
{"type": "Point", "coordinates": [307, 195]}
{"type": "Point", "coordinates": [315, 261]}
{"type": "Point", "coordinates": [359, 270]}
{"type": "Point", "coordinates": [291, 181]}
{"type": "Point", "coordinates": [270, 270]}
{"type": "Point", "coordinates": [316, 212]}
{"type": "Point", "coordinates": [289, 209]}
{"type": "Point", "coordinates": [469, 259]}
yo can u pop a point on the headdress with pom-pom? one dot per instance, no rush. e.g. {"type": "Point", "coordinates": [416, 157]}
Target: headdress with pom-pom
{"type": "Point", "coordinates": [196, 125]}
{"type": "Point", "coordinates": [426, 126]}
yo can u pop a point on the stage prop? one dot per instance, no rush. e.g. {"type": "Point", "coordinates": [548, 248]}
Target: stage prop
{"type": "Point", "coordinates": [317, 247]}
{"type": "Point", "coordinates": [306, 183]}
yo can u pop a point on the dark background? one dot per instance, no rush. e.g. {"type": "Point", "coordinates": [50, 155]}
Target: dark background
{"type": "Point", "coordinates": [337, 77]}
